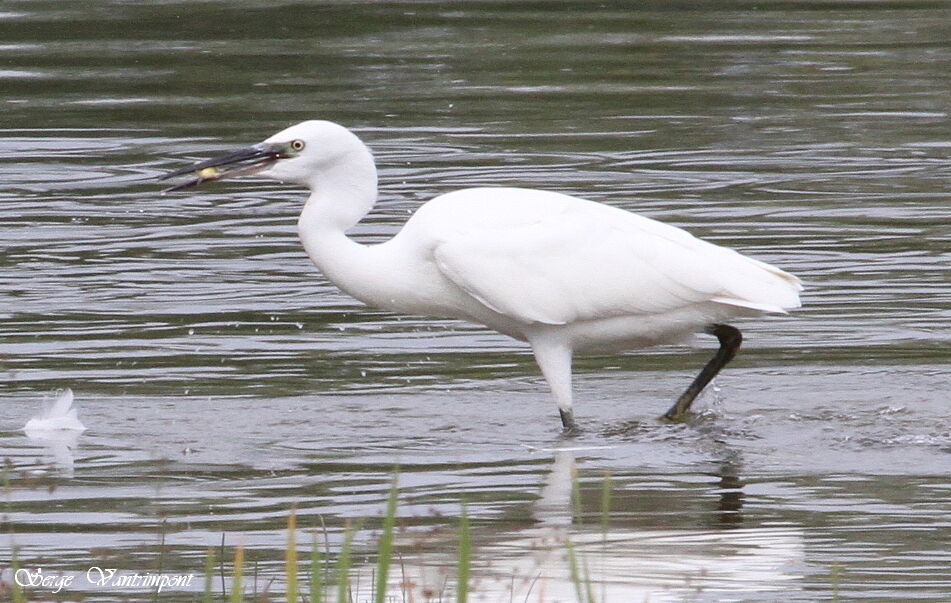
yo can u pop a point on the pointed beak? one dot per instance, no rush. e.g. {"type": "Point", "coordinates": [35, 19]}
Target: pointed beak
{"type": "Point", "coordinates": [242, 162]}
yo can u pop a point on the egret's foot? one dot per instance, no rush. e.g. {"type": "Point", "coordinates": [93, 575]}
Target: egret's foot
{"type": "Point", "coordinates": [571, 432]}
{"type": "Point", "coordinates": [569, 427]}
{"type": "Point", "coordinates": [730, 339]}
{"type": "Point", "coordinates": [671, 417]}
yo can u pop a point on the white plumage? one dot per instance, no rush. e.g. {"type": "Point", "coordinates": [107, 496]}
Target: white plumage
{"type": "Point", "coordinates": [563, 273]}
{"type": "Point", "coordinates": [58, 414]}
{"type": "Point", "coordinates": [548, 258]}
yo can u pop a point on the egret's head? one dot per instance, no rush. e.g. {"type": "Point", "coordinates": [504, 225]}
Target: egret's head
{"type": "Point", "coordinates": [298, 154]}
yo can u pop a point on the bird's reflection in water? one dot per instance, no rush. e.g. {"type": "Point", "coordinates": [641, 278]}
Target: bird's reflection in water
{"type": "Point", "coordinates": [731, 498]}
{"type": "Point", "coordinates": [710, 438]}
{"type": "Point", "coordinates": [660, 541]}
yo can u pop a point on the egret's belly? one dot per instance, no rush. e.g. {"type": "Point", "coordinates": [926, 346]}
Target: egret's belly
{"type": "Point", "coordinates": [621, 333]}
{"type": "Point", "coordinates": [604, 335]}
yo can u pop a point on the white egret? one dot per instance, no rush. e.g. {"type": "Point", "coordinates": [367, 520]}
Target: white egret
{"type": "Point", "coordinates": [564, 274]}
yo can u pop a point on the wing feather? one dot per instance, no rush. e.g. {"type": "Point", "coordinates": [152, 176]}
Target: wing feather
{"type": "Point", "coordinates": [591, 261]}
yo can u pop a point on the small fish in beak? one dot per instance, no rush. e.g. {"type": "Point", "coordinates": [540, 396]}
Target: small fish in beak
{"type": "Point", "coordinates": [242, 162]}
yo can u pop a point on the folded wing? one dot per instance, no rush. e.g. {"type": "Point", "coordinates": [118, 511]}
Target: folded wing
{"type": "Point", "coordinates": [584, 261]}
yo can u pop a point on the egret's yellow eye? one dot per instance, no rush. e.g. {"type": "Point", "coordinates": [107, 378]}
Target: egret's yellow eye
{"type": "Point", "coordinates": [297, 145]}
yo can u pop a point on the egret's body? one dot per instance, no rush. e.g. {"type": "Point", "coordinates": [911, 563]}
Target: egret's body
{"type": "Point", "coordinates": [564, 274]}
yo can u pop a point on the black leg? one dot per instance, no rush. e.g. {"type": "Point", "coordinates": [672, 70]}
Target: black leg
{"type": "Point", "coordinates": [730, 339]}
{"type": "Point", "coordinates": [568, 421]}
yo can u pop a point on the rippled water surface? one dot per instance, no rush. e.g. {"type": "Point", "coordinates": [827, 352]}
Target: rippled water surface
{"type": "Point", "coordinates": [223, 379]}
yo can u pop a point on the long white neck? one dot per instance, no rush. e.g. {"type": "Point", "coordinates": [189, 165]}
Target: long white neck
{"type": "Point", "coordinates": [341, 195]}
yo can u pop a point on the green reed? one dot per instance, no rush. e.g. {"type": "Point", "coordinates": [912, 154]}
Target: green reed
{"type": "Point", "coordinates": [385, 548]}
{"type": "Point", "coordinates": [465, 555]}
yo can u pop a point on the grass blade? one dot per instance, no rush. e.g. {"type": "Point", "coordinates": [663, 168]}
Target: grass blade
{"type": "Point", "coordinates": [385, 549]}
{"type": "Point", "coordinates": [236, 594]}
{"type": "Point", "coordinates": [18, 595]}
{"type": "Point", "coordinates": [290, 557]}
{"type": "Point", "coordinates": [575, 574]}
{"type": "Point", "coordinates": [326, 565]}
{"type": "Point", "coordinates": [465, 554]}
{"type": "Point", "coordinates": [316, 573]}
{"type": "Point", "coordinates": [209, 574]}
{"type": "Point", "coordinates": [343, 566]}
{"type": "Point", "coordinates": [221, 567]}
{"type": "Point", "coordinates": [587, 580]}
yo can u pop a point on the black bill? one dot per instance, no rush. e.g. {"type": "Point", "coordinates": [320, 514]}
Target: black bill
{"type": "Point", "coordinates": [242, 162]}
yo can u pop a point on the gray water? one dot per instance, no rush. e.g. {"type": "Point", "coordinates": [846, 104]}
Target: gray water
{"type": "Point", "coordinates": [223, 380]}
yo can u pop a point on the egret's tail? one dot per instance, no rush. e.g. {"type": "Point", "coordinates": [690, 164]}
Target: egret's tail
{"type": "Point", "coordinates": [760, 287]}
